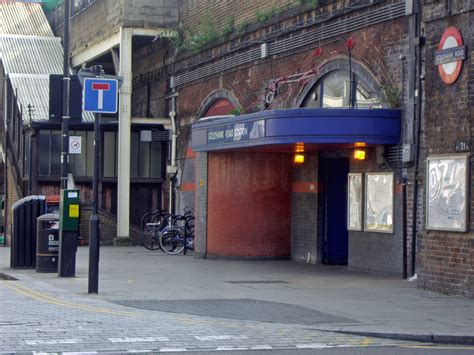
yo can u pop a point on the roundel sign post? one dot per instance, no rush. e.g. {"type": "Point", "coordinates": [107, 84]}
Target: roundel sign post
{"type": "Point", "coordinates": [450, 55]}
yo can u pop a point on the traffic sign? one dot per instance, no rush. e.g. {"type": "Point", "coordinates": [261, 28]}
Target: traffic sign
{"type": "Point", "coordinates": [100, 95]}
{"type": "Point", "coordinates": [75, 144]}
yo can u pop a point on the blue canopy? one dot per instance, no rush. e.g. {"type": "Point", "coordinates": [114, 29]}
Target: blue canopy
{"type": "Point", "coordinates": [300, 125]}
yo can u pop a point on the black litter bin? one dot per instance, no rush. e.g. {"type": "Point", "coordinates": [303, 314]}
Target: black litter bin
{"type": "Point", "coordinates": [47, 243]}
{"type": "Point", "coordinates": [24, 213]}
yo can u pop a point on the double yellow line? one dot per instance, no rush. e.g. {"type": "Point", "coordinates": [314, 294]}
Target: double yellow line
{"type": "Point", "coordinates": [43, 297]}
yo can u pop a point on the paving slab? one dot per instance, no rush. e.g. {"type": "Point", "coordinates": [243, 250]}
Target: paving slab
{"type": "Point", "coordinates": [353, 302]}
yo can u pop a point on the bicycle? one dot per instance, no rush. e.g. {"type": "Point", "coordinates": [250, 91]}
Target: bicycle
{"type": "Point", "coordinates": [179, 236]}
{"type": "Point", "coordinates": [152, 223]}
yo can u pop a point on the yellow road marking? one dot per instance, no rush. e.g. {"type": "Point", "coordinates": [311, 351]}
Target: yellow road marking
{"type": "Point", "coordinates": [366, 342]}
{"type": "Point", "coordinates": [43, 297]}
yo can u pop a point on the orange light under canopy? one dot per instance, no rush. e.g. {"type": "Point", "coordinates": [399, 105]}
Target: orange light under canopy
{"type": "Point", "coordinates": [359, 154]}
{"type": "Point", "coordinates": [299, 147]}
{"type": "Point", "coordinates": [299, 158]}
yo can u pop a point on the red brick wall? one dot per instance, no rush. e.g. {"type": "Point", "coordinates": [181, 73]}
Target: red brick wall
{"type": "Point", "coordinates": [378, 54]}
{"type": "Point", "coordinates": [446, 263]}
{"type": "Point", "coordinates": [446, 259]}
{"type": "Point", "coordinates": [251, 189]}
{"type": "Point", "coordinates": [218, 13]}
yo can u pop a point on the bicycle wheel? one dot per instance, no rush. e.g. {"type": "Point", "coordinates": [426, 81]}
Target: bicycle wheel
{"type": "Point", "coordinates": [172, 240]}
{"type": "Point", "coordinates": [150, 238]}
{"type": "Point", "coordinates": [190, 243]}
{"type": "Point", "coordinates": [190, 222]}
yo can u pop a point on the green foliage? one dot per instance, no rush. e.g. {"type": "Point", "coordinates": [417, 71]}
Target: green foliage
{"type": "Point", "coordinates": [277, 11]}
{"type": "Point", "coordinates": [187, 40]}
{"type": "Point", "coordinates": [178, 41]}
{"type": "Point", "coordinates": [205, 35]}
{"type": "Point", "coordinates": [229, 26]}
{"type": "Point", "coordinates": [311, 3]}
{"type": "Point", "coordinates": [236, 111]}
{"type": "Point", "coordinates": [242, 27]}
{"type": "Point", "coordinates": [263, 16]}
{"type": "Point", "coordinates": [393, 95]}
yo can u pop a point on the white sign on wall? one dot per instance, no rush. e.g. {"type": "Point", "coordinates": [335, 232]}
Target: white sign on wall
{"type": "Point", "coordinates": [379, 202]}
{"type": "Point", "coordinates": [447, 192]}
{"type": "Point", "coordinates": [354, 214]}
{"type": "Point", "coordinates": [75, 144]}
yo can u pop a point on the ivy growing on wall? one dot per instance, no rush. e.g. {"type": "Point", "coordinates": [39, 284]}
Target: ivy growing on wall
{"type": "Point", "coordinates": [393, 95]}
{"type": "Point", "coordinates": [207, 33]}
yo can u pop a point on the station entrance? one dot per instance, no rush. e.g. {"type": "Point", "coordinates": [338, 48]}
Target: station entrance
{"type": "Point", "coordinates": [333, 206]}
{"type": "Point", "coordinates": [255, 200]}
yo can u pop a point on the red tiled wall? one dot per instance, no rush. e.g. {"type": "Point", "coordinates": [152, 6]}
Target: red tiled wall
{"type": "Point", "coordinates": [251, 189]}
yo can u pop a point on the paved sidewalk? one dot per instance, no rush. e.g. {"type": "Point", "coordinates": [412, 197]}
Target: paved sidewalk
{"type": "Point", "coordinates": [279, 292]}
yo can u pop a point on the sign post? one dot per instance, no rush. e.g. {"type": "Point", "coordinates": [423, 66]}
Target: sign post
{"type": "Point", "coordinates": [99, 96]}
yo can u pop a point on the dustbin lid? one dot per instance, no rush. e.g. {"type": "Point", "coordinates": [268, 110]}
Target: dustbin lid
{"type": "Point", "coordinates": [26, 199]}
{"type": "Point", "coordinates": [48, 217]}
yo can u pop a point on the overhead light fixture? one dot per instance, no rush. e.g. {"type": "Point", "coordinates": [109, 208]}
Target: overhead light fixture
{"type": "Point", "coordinates": [359, 154]}
{"type": "Point", "coordinates": [359, 144]}
{"type": "Point", "coordinates": [299, 147]}
{"type": "Point", "coordinates": [299, 158]}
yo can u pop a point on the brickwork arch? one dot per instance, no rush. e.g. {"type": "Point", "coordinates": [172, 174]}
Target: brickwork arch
{"type": "Point", "coordinates": [342, 63]}
{"type": "Point", "coordinates": [214, 96]}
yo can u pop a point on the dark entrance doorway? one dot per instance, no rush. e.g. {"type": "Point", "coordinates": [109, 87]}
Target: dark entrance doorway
{"type": "Point", "coordinates": [333, 210]}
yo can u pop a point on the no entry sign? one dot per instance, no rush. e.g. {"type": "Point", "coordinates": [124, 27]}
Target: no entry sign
{"type": "Point", "coordinates": [450, 55]}
{"type": "Point", "coordinates": [100, 95]}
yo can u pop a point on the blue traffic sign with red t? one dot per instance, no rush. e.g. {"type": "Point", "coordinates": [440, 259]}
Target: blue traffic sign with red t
{"type": "Point", "coordinates": [100, 95]}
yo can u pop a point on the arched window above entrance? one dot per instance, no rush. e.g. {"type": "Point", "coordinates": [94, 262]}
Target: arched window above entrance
{"type": "Point", "coordinates": [333, 91]}
{"type": "Point", "coordinates": [219, 107]}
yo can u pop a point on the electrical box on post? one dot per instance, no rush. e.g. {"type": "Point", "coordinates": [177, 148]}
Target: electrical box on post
{"type": "Point", "coordinates": [69, 211]}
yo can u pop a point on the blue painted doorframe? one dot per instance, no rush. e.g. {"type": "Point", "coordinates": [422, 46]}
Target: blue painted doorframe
{"type": "Point", "coordinates": [335, 240]}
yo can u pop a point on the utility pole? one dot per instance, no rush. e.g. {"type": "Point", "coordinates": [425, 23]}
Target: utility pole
{"type": "Point", "coordinates": [68, 221]}
{"type": "Point", "coordinates": [65, 99]}
{"type": "Point", "coordinates": [94, 222]}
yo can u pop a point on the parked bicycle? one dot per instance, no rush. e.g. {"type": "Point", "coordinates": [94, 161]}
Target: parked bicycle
{"type": "Point", "coordinates": [152, 224]}
{"type": "Point", "coordinates": [171, 233]}
{"type": "Point", "coordinates": [179, 236]}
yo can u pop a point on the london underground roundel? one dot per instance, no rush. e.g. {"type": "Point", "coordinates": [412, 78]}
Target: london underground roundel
{"type": "Point", "coordinates": [450, 55]}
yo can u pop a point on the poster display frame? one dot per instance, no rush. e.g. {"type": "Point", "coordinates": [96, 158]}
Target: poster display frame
{"type": "Point", "coordinates": [367, 191]}
{"type": "Point", "coordinates": [464, 159]}
{"type": "Point", "coordinates": [359, 197]}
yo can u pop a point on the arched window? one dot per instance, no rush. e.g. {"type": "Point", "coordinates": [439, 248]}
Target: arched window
{"type": "Point", "coordinates": [333, 91]}
{"type": "Point", "coordinates": [220, 107]}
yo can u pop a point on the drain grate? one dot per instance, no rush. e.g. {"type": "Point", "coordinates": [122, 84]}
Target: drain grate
{"type": "Point", "coordinates": [6, 277]}
{"type": "Point", "coordinates": [241, 309]}
{"type": "Point", "coordinates": [259, 282]}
